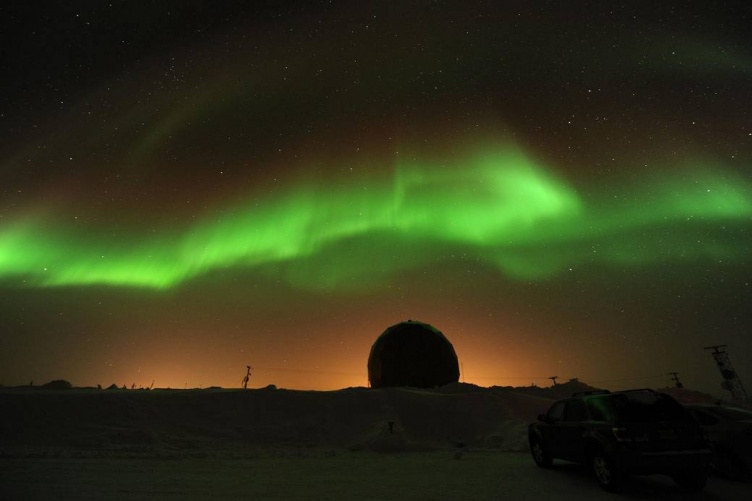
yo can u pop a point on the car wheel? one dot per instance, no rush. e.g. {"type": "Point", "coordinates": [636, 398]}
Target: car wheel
{"type": "Point", "coordinates": [606, 473]}
{"type": "Point", "coordinates": [727, 465]}
{"type": "Point", "coordinates": [540, 453]}
{"type": "Point", "coordinates": [692, 480]}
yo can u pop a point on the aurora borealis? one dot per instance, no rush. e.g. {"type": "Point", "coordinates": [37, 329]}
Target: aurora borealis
{"type": "Point", "coordinates": [195, 187]}
{"type": "Point", "coordinates": [499, 209]}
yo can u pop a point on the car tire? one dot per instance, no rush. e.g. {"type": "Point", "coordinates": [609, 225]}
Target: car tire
{"type": "Point", "coordinates": [540, 452]}
{"type": "Point", "coordinates": [606, 473]}
{"type": "Point", "coordinates": [692, 480]}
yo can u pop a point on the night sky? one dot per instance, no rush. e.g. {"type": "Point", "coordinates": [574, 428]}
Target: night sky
{"type": "Point", "coordinates": [186, 188]}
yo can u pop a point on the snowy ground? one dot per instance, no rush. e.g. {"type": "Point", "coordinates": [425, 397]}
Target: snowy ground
{"type": "Point", "coordinates": [179, 423]}
{"type": "Point", "coordinates": [322, 475]}
{"type": "Point", "coordinates": [459, 442]}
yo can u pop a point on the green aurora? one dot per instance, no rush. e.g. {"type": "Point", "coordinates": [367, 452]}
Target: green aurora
{"type": "Point", "coordinates": [501, 209]}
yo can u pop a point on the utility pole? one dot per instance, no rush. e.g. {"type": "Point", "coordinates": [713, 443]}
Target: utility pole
{"type": "Point", "coordinates": [247, 376]}
{"type": "Point", "coordinates": [675, 379]}
{"type": "Point", "coordinates": [554, 378]}
{"type": "Point", "coordinates": [731, 381]}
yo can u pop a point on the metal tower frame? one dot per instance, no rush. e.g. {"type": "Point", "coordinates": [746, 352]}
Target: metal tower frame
{"type": "Point", "coordinates": [731, 381]}
{"type": "Point", "coordinates": [675, 379]}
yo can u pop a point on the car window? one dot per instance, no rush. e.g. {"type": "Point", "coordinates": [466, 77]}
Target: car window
{"type": "Point", "coordinates": [649, 407]}
{"type": "Point", "coordinates": [600, 410]}
{"type": "Point", "coordinates": [704, 418]}
{"type": "Point", "coordinates": [556, 412]}
{"type": "Point", "coordinates": [575, 410]}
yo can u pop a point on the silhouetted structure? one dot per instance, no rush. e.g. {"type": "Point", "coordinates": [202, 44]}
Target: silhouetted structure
{"type": "Point", "coordinates": [58, 384]}
{"type": "Point", "coordinates": [675, 379]}
{"type": "Point", "coordinates": [412, 354]}
{"type": "Point", "coordinates": [247, 376]}
{"type": "Point", "coordinates": [731, 381]}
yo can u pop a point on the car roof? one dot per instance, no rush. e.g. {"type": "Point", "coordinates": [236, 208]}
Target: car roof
{"type": "Point", "coordinates": [596, 393]}
{"type": "Point", "coordinates": [707, 406]}
{"type": "Point", "coordinates": [586, 395]}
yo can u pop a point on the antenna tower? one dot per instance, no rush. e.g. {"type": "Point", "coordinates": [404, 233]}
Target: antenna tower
{"type": "Point", "coordinates": [675, 379]}
{"type": "Point", "coordinates": [731, 381]}
{"type": "Point", "coordinates": [247, 376]}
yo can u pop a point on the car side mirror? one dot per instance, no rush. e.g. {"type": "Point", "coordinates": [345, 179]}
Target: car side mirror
{"type": "Point", "coordinates": [543, 418]}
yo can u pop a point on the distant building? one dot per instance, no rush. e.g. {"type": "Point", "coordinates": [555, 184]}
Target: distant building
{"type": "Point", "coordinates": [412, 354]}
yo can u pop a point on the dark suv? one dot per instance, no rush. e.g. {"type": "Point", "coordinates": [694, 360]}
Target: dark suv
{"type": "Point", "coordinates": [622, 433]}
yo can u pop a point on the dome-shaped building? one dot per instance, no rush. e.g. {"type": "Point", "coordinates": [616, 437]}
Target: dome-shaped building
{"type": "Point", "coordinates": [412, 354]}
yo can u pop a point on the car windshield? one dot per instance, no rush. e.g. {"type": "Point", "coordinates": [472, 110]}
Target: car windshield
{"type": "Point", "coordinates": [732, 413]}
{"type": "Point", "coordinates": [649, 407]}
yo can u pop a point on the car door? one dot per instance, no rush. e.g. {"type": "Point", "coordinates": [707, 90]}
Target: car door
{"type": "Point", "coordinates": [571, 431]}
{"type": "Point", "coordinates": [550, 428]}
